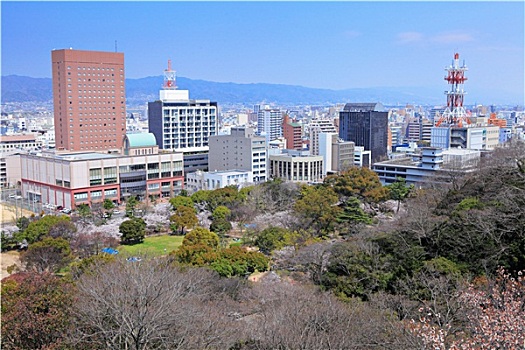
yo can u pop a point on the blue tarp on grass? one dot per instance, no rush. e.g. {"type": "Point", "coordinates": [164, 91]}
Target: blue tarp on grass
{"type": "Point", "coordinates": [110, 251]}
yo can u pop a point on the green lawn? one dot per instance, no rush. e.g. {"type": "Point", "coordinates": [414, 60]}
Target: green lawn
{"type": "Point", "coordinates": [153, 246]}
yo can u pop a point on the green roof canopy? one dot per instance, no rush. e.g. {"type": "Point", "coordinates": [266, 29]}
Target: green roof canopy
{"type": "Point", "coordinates": [141, 140]}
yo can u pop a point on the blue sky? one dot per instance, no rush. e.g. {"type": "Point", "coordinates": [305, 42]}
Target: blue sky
{"type": "Point", "coordinates": [332, 45]}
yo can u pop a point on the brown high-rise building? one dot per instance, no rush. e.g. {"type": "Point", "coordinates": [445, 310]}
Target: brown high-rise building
{"type": "Point", "coordinates": [89, 97]}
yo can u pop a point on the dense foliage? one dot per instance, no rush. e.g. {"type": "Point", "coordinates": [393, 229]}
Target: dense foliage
{"type": "Point", "coordinates": [349, 269]}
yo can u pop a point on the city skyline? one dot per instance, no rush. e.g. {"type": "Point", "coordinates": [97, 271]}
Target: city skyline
{"type": "Point", "coordinates": [334, 45]}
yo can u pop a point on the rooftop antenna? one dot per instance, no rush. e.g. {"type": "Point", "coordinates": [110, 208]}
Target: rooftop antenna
{"type": "Point", "coordinates": [169, 78]}
{"type": "Point", "coordinates": [115, 46]}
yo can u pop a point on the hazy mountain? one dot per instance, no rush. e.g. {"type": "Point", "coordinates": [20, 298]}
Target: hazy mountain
{"type": "Point", "coordinates": [24, 89]}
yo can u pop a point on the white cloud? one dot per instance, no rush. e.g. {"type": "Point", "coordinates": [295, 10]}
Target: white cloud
{"type": "Point", "coordinates": [409, 37]}
{"type": "Point", "coordinates": [452, 38]}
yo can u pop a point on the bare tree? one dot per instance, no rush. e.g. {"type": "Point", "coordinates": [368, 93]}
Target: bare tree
{"type": "Point", "coordinates": [286, 316]}
{"type": "Point", "coordinates": [149, 305]}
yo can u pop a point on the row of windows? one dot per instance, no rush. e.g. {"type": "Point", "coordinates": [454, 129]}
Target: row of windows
{"type": "Point", "coordinates": [103, 69]}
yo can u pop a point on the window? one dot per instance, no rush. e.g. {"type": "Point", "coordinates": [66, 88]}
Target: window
{"type": "Point", "coordinates": [95, 177]}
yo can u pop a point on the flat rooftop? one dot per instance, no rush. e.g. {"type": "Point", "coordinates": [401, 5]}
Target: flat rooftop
{"type": "Point", "coordinates": [87, 156]}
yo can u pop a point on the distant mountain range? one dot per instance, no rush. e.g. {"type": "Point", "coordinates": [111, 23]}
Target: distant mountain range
{"type": "Point", "coordinates": [139, 91]}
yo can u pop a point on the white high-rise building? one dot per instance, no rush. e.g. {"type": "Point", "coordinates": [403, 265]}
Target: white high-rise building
{"type": "Point", "coordinates": [181, 124]}
{"type": "Point", "coordinates": [269, 123]}
{"type": "Point", "coordinates": [316, 127]}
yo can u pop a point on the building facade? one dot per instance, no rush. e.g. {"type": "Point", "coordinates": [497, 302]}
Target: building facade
{"type": "Point", "coordinates": [293, 134]}
{"type": "Point", "coordinates": [365, 124]}
{"type": "Point", "coordinates": [315, 127]}
{"type": "Point", "coordinates": [89, 98]}
{"type": "Point", "coordinates": [241, 150]}
{"type": "Point", "coordinates": [269, 123]}
{"type": "Point", "coordinates": [293, 166]}
{"type": "Point", "coordinates": [182, 124]}
{"type": "Point", "coordinates": [202, 180]}
{"type": "Point", "coordinates": [71, 179]}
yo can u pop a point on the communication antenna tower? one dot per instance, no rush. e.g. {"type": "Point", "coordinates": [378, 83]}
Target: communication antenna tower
{"type": "Point", "coordinates": [455, 113]}
{"type": "Point", "coordinates": [169, 78]}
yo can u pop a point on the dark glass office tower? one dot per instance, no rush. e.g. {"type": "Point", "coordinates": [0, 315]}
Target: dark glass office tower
{"type": "Point", "coordinates": [366, 124]}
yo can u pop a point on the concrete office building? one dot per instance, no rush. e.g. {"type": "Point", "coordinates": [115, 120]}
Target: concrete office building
{"type": "Point", "coordinates": [89, 98]}
{"type": "Point", "coordinates": [181, 124]}
{"type": "Point", "coordinates": [296, 166]}
{"type": "Point", "coordinates": [473, 137]}
{"type": "Point", "coordinates": [365, 124]}
{"type": "Point", "coordinates": [269, 123]}
{"type": "Point", "coordinates": [203, 180]}
{"type": "Point", "coordinates": [21, 142]}
{"type": "Point", "coordinates": [362, 157]}
{"type": "Point", "coordinates": [315, 127]}
{"type": "Point", "coordinates": [338, 155]}
{"type": "Point", "coordinates": [241, 150]}
{"type": "Point", "coordinates": [70, 179]}
{"type": "Point", "coordinates": [429, 167]}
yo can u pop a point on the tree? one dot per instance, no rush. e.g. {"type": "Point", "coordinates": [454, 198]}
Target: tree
{"type": "Point", "coordinates": [108, 206]}
{"type": "Point", "coordinates": [399, 191]}
{"type": "Point", "coordinates": [181, 200]}
{"type": "Point", "coordinates": [495, 318]}
{"type": "Point", "coordinates": [272, 238]}
{"type": "Point", "coordinates": [40, 228]}
{"type": "Point", "coordinates": [150, 305]}
{"type": "Point", "coordinates": [220, 226]}
{"type": "Point", "coordinates": [133, 231]}
{"type": "Point", "coordinates": [200, 235]}
{"type": "Point", "coordinates": [48, 255]}
{"type": "Point", "coordinates": [63, 229]}
{"type": "Point", "coordinates": [84, 212]}
{"type": "Point", "coordinates": [221, 212]}
{"type": "Point", "coordinates": [182, 218]}
{"type": "Point", "coordinates": [36, 311]}
{"type": "Point", "coordinates": [22, 223]}
{"type": "Point", "coordinates": [352, 216]}
{"type": "Point", "coordinates": [317, 207]}
{"type": "Point", "coordinates": [359, 182]}
{"type": "Point", "coordinates": [131, 203]}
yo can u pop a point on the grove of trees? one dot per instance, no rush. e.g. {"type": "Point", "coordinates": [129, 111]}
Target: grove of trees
{"type": "Point", "coordinates": [348, 264]}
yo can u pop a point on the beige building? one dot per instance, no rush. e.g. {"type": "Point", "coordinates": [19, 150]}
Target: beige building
{"type": "Point", "coordinates": [70, 179]}
{"type": "Point", "coordinates": [241, 150]}
{"type": "Point", "coordinates": [14, 143]}
{"type": "Point", "coordinates": [293, 166]}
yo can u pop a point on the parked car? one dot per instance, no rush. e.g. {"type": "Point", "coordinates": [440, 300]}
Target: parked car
{"type": "Point", "coordinates": [12, 195]}
{"type": "Point", "coordinates": [66, 211]}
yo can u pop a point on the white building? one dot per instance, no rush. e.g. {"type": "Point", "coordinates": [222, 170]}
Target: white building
{"type": "Point", "coordinates": [183, 125]}
{"type": "Point", "coordinates": [269, 123]}
{"type": "Point", "coordinates": [296, 166]}
{"type": "Point", "coordinates": [362, 157]}
{"type": "Point", "coordinates": [315, 127]}
{"type": "Point", "coordinates": [423, 169]}
{"type": "Point", "coordinates": [202, 180]}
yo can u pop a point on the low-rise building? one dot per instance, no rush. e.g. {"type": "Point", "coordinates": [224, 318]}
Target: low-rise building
{"type": "Point", "coordinates": [296, 166]}
{"type": "Point", "coordinates": [202, 180]}
{"type": "Point", "coordinates": [425, 167]}
{"type": "Point", "coordinates": [70, 179]}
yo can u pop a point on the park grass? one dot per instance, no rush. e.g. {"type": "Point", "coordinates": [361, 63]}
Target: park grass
{"type": "Point", "coordinates": [153, 246]}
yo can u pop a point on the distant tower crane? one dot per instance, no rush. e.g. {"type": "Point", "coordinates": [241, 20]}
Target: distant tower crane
{"type": "Point", "coordinates": [169, 78]}
{"type": "Point", "coordinates": [455, 113]}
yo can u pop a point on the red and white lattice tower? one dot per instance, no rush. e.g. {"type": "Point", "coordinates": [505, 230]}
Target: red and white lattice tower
{"type": "Point", "coordinates": [455, 113]}
{"type": "Point", "coordinates": [169, 78]}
